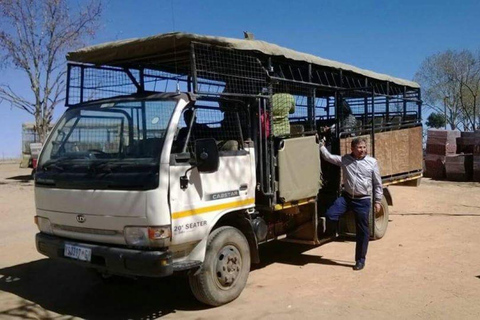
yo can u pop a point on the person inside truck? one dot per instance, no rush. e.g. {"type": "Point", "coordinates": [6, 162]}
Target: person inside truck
{"type": "Point", "coordinates": [348, 122]}
{"type": "Point", "coordinates": [361, 182]}
{"type": "Point", "coordinates": [229, 132]}
{"type": "Point", "coordinates": [282, 105]}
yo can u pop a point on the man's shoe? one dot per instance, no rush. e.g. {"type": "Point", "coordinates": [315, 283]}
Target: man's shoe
{"type": "Point", "coordinates": [358, 266]}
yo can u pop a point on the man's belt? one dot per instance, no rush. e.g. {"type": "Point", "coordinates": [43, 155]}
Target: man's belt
{"type": "Point", "coordinates": [357, 196]}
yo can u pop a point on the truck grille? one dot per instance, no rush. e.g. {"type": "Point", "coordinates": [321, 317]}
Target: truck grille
{"type": "Point", "coordinates": [86, 230]}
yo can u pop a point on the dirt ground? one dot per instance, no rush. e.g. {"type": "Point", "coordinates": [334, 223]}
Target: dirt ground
{"type": "Point", "coordinates": [426, 267]}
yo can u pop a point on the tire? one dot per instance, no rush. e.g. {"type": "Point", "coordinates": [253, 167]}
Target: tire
{"type": "Point", "coordinates": [225, 270]}
{"type": "Point", "coordinates": [381, 221]}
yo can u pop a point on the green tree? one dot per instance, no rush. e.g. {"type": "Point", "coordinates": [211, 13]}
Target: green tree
{"type": "Point", "coordinates": [34, 37]}
{"type": "Point", "coordinates": [436, 120]}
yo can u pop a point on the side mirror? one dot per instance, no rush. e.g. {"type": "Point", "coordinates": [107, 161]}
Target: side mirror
{"type": "Point", "coordinates": [206, 154]}
{"type": "Point", "coordinates": [206, 159]}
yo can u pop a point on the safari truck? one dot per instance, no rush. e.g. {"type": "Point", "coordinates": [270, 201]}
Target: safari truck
{"type": "Point", "coordinates": [182, 153]}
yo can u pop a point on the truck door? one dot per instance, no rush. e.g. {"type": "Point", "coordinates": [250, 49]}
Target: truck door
{"type": "Point", "coordinates": [195, 208]}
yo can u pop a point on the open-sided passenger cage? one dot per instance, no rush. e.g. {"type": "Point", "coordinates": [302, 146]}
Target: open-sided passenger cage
{"type": "Point", "coordinates": [254, 71]}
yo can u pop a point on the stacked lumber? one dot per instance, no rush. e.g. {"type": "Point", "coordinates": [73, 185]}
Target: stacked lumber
{"type": "Point", "coordinates": [440, 143]}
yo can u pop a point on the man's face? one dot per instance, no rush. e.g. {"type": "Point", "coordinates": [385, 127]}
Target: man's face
{"type": "Point", "coordinates": [360, 150]}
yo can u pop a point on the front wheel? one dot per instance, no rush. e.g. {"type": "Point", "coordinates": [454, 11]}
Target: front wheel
{"type": "Point", "coordinates": [225, 270]}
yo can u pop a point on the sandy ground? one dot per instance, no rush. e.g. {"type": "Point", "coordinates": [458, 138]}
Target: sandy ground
{"type": "Point", "coordinates": [426, 267]}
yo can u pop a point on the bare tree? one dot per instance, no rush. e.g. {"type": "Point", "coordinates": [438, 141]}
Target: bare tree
{"type": "Point", "coordinates": [469, 79]}
{"type": "Point", "coordinates": [451, 86]}
{"type": "Point", "coordinates": [34, 36]}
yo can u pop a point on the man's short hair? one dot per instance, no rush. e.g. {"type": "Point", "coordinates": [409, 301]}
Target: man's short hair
{"type": "Point", "coordinates": [357, 141]}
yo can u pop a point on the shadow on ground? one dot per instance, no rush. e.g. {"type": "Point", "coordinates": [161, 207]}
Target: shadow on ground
{"type": "Point", "coordinates": [294, 254]}
{"type": "Point", "coordinates": [48, 287]}
{"type": "Point", "coordinates": [71, 290]}
{"type": "Point", "coordinates": [24, 178]}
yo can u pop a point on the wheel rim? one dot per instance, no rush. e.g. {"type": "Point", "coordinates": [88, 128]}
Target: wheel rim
{"type": "Point", "coordinates": [228, 266]}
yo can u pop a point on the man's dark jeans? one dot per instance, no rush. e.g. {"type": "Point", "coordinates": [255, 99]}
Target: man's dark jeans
{"type": "Point", "coordinates": [361, 209]}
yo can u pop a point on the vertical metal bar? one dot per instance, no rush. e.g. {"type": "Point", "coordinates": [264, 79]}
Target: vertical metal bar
{"type": "Point", "coordinates": [372, 144]}
{"type": "Point", "coordinates": [189, 83]}
{"type": "Point", "coordinates": [387, 103]}
{"type": "Point", "coordinates": [271, 173]}
{"type": "Point", "coordinates": [337, 109]}
{"type": "Point", "coordinates": [67, 94]}
{"type": "Point", "coordinates": [260, 143]}
{"type": "Point", "coordinates": [314, 111]}
{"type": "Point", "coordinates": [122, 140]}
{"type": "Point", "coordinates": [137, 111]}
{"type": "Point", "coordinates": [144, 120]}
{"type": "Point", "coordinates": [82, 75]}
{"type": "Point", "coordinates": [311, 100]}
{"type": "Point", "coordinates": [341, 78]}
{"type": "Point", "coordinates": [404, 103]}
{"type": "Point", "coordinates": [419, 104]}
{"type": "Point", "coordinates": [337, 122]}
{"type": "Point", "coordinates": [365, 107]}
{"type": "Point", "coordinates": [142, 79]}
{"type": "Point", "coordinates": [328, 108]}
{"type": "Point", "coordinates": [193, 67]}
{"type": "Point", "coordinates": [373, 122]}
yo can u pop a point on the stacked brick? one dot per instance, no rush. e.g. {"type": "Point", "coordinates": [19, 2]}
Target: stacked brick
{"type": "Point", "coordinates": [440, 144]}
{"type": "Point", "coordinates": [476, 164]}
{"type": "Point", "coordinates": [453, 155]}
{"type": "Point", "coordinates": [469, 143]}
{"type": "Point", "coordinates": [459, 167]}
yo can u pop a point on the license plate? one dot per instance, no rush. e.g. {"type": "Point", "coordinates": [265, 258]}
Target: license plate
{"type": "Point", "coordinates": [77, 253]}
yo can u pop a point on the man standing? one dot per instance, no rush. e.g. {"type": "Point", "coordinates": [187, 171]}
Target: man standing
{"type": "Point", "coordinates": [361, 181]}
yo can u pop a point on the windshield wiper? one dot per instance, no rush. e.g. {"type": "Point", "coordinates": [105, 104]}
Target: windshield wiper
{"type": "Point", "coordinates": [101, 167]}
{"type": "Point", "coordinates": [52, 165]}
{"type": "Point", "coordinates": [116, 167]}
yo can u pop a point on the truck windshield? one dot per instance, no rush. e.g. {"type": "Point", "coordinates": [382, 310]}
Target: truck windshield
{"type": "Point", "coordinates": [106, 146]}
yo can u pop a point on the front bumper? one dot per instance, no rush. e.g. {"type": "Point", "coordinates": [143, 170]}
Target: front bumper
{"type": "Point", "coordinates": [113, 260]}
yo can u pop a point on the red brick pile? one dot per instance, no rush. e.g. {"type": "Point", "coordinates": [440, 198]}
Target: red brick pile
{"type": "Point", "coordinates": [469, 144]}
{"type": "Point", "coordinates": [453, 155]}
{"type": "Point", "coordinates": [440, 144]}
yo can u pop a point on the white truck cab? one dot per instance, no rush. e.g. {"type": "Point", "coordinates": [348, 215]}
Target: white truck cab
{"type": "Point", "coordinates": [117, 188]}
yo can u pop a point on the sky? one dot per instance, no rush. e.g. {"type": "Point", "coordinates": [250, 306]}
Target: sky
{"type": "Point", "coordinates": [391, 37]}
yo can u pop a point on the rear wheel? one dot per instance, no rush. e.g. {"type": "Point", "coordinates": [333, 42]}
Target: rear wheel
{"type": "Point", "coordinates": [381, 221]}
{"type": "Point", "coordinates": [225, 270]}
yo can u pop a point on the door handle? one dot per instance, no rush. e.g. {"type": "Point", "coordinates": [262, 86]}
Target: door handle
{"type": "Point", "coordinates": [243, 187]}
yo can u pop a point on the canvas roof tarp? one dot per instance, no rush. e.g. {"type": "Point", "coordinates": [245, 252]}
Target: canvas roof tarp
{"type": "Point", "coordinates": [122, 52]}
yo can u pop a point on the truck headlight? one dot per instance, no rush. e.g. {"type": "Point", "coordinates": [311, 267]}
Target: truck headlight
{"type": "Point", "coordinates": [147, 236]}
{"type": "Point", "coordinates": [43, 224]}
